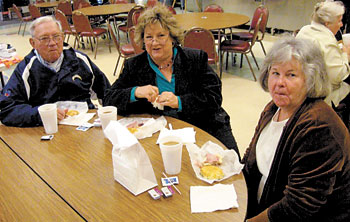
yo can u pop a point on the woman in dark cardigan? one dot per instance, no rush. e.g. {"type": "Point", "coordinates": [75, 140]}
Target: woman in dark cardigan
{"type": "Point", "coordinates": [297, 166]}
{"type": "Point", "coordinates": [170, 80]}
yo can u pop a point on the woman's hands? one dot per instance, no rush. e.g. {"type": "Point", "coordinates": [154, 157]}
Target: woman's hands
{"type": "Point", "coordinates": [151, 93]}
{"type": "Point", "coordinates": [168, 99]}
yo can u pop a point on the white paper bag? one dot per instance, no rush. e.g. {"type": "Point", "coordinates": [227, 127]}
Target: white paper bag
{"type": "Point", "coordinates": [131, 165]}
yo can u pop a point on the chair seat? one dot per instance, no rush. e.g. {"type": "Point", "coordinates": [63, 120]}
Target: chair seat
{"type": "Point", "coordinates": [243, 35]}
{"type": "Point", "coordinates": [127, 49]}
{"type": "Point", "coordinates": [234, 45]}
{"type": "Point", "coordinates": [123, 28]}
{"type": "Point", "coordinates": [96, 32]}
{"type": "Point", "coordinates": [27, 18]}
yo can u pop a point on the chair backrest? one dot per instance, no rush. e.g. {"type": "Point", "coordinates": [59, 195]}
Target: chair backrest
{"type": "Point", "coordinates": [200, 38]}
{"type": "Point", "coordinates": [76, 4]}
{"type": "Point", "coordinates": [17, 11]}
{"type": "Point", "coordinates": [151, 3]}
{"type": "Point", "coordinates": [114, 38]}
{"type": "Point", "coordinates": [120, 2]}
{"type": "Point", "coordinates": [213, 8]}
{"type": "Point", "coordinates": [84, 4]}
{"type": "Point", "coordinates": [137, 48]}
{"type": "Point", "coordinates": [40, 1]}
{"type": "Point", "coordinates": [172, 10]}
{"type": "Point", "coordinates": [256, 30]}
{"type": "Point", "coordinates": [81, 22]}
{"type": "Point", "coordinates": [137, 9]}
{"type": "Point", "coordinates": [34, 11]}
{"type": "Point", "coordinates": [59, 15]}
{"type": "Point", "coordinates": [258, 11]}
{"type": "Point", "coordinates": [65, 7]}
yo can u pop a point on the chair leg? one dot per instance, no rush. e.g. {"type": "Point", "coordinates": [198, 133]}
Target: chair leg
{"type": "Point", "coordinates": [250, 66]}
{"type": "Point", "coordinates": [92, 48]}
{"type": "Point", "coordinates": [96, 46]}
{"type": "Point", "coordinates": [19, 30]}
{"type": "Point", "coordinates": [240, 66]}
{"type": "Point", "coordinates": [255, 60]}
{"type": "Point", "coordinates": [262, 46]}
{"type": "Point", "coordinates": [116, 65]}
{"type": "Point", "coordinates": [220, 63]}
{"type": "Point", "coordinates": [227, 54]}
{"type": "Point", "coordinates": [75, 40]}
{"type": "Point", "coordinates": [109, 41]}
{"type": "Point", "coordinates": [24, 29]}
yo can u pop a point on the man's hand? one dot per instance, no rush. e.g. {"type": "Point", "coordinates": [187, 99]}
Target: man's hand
{"type": "Point", "coordinates": [61, 113]}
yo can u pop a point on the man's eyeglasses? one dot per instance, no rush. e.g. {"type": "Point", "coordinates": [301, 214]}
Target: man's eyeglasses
{"type": "Point", "coordinates": [46, 39]}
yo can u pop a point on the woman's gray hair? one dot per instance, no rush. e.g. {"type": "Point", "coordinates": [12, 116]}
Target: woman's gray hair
{"type": "Point", "coordinates": [158, 13]}
{"type": "Point", "coordinates": [327, 11]}
{"type": "Point", "coordinates": [309, 57]}
{"type": "Point", "coordinates": [41, 20]}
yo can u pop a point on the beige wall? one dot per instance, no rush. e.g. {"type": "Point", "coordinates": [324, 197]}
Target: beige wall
{"type": "Point", "coordinates": [284, 14]}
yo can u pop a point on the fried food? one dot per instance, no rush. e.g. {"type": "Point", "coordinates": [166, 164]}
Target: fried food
{"type": "Point", "coordinates": [212, 172]}
{"type": "Point", "coordinates": [72, 112]}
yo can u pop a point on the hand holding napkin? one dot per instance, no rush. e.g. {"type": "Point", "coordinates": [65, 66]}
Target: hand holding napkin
{"type": "Point", "coordinates": [77, 120]}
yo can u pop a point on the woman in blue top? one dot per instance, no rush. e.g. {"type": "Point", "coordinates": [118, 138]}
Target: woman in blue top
{"type": "Point", "coordinates": [178, 79]}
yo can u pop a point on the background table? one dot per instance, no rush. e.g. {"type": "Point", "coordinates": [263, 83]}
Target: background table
{"type": "Point", "coordinates": [78, 166]}
{"type": "Point", "coordinates": [47, 4]}
{"type": "Point", "coordinates": [111, 9]}
{"type": "Point", "coordinates": [24, 196]}
{"type": "Point", "coordinates": [210, 20]}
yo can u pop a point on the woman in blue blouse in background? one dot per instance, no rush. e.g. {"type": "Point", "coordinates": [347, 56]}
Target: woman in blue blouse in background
{"type": "Point", "coordinates": [177, 78]}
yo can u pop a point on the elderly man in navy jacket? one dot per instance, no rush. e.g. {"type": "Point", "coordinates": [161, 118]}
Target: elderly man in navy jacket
{"type": "Point", "coordinates": [51, 72]}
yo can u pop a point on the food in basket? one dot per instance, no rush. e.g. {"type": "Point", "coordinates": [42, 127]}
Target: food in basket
{"type": "Point", "coordinates": [212, 159]}
{"type": "Point", "coordinates": [72, 112]}
{"type": "Point", "coordinates": [212, 172]}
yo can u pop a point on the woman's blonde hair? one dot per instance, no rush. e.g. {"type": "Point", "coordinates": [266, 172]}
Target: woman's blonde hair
{"type": "Point", "coordinates": [158, 13]}
{"type": "Point", "coordinates": [327, 11]}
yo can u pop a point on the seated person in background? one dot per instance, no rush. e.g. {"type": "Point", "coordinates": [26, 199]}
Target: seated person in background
{"type": "Point", "coordinates": [326, 22]}
{"type": "Point", "coordinates": [297, 166]}
{"type": "Point", "coordinates": [179, 79]}
{"type": "Point", "coordinates": [53, 71]}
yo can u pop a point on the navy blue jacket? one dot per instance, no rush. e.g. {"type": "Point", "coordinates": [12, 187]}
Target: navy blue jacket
{"type": "Point", "coordinates": [33, 84]}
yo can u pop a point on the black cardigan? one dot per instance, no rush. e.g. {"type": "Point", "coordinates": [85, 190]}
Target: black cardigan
{"type": "Point", "coordinates": [195, 82]}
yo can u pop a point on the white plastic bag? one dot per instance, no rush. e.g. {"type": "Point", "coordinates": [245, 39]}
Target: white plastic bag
{"type": "Point", "coordinates": [131, 164]}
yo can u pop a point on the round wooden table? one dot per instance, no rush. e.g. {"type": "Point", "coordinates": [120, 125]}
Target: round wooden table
{"type": "Point", "coordinates": [47, 4]}
{"type": "Point", "coordinates": [111, 9]}
{"type": "Point", "coordinates": [211, 20]}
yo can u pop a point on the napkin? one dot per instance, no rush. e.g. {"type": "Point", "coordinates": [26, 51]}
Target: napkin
{"type": "Point", "coordinates": [77, 120]}
{"type": "Point", "coordinates": [149, 126]}
{"type": "Point", "coordinates": [212, 198]}
{"type": "Point", "coordinates": [230, 162]}
{"type": "Point", "coordinates": [187, 135]}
